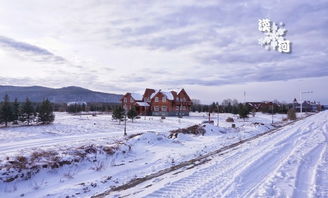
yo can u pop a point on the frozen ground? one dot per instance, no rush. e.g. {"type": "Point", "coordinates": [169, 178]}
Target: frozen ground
{"type": "Point", "coordinates": [137, 157]}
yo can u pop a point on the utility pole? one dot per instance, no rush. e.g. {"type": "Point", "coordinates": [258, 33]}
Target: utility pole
{"type": "Point", "coordinates": [272, 112]}
{"type": "Point", "coordinates": [244, 97]}
{"type": "Point", "coordinates": [218, 115]}
{"type": "Point", "coordinates": [301, 106]}
{"type": "Point", "coordinates": [125, 134]}
{"type": "Point", "coordinates": [301, 100]}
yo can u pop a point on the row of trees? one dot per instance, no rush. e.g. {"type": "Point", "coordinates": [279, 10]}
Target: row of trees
{"type": "Point", "coordinates": [76, 108]}
{"type": "Point", "coordinates": [25, 112]}
{"type": "Point", "coordinates": [119, 114]}
{"type": "Point", "coordinates": [227, 106]}
{"type": "Point", "coordinates": [234, 107]}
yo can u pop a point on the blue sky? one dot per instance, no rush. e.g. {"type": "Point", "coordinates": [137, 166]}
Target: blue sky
{"type": "Point", "coordinates": [208, 47]}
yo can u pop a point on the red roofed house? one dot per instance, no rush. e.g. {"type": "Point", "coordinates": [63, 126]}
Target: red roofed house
{"type": "Point", "coordinates": [159, 103]}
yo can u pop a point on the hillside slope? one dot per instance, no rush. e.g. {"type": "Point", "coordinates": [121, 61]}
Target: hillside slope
{"type": "Point", "coordinates": [61, 95]}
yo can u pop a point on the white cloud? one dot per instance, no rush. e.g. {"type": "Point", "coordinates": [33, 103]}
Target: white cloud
{"type": "Point", "coordinates": [129, 45]}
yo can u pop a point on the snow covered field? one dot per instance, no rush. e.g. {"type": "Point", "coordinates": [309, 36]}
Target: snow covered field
{"type": "Point", "coordinates": [138, 156]}
{"type": "Point", "coordinates": [292, 162]}
{"type": "Point", "coordinates": [76, 130]}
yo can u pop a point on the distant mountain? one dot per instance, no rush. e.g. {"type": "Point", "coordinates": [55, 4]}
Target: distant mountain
{"type": "Point", "coordinates": [62, 95]}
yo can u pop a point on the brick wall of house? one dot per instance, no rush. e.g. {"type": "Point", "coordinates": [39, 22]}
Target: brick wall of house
{"type": "Point", "coordinates": [180, 105]}
{"type": "Point", "coordinates": [160, 103]}
{"type": "Point", "coordinates": [128, 102]}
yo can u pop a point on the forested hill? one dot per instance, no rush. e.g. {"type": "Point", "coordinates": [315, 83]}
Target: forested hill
{"type": "Point", "coordinates": [61, 95]}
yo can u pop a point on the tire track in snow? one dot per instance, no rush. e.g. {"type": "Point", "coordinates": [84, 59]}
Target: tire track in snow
{"type": "Point", "coordinates": [295, 176]}
{"type": "Point", "coordinates": [253, 177]}
{"type": "Point", "coordinates": [306, 173]}
{"type": "Point", "coordinates": [321, 183]}
{"type": "Point", "coordinates": [209, 183]}
{"type": "Point", "coordinates": [204, 180]}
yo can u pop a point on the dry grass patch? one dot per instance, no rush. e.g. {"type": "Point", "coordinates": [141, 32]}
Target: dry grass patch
{"type": "Point", "coordinates": [195, 130]}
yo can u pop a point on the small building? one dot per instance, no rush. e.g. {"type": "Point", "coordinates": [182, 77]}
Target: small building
{"type": "Point", "coordinates": [130, 100]}
{"type": "Point", "coordinates": [307, 106]}
{"type": "Point", "coordinates": [159, 102]}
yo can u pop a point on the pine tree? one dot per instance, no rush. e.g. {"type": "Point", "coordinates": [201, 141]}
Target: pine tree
{"type": "Point", "coordinates": [132, 113]}
{"type": "Point", "coordinates": [6, 111]}
{"type": "Point", "coordinates": [45, 112]}
{"type": "Point", "coordinates": [27, 111]}
{"type": "Point", "coordinates": [118, 114]}
{"type": "Point", "coordinates": [213, 107]}
{"type": "Point", "coordinates": [243, 111]}
{"type": "Point", "coordinates": [15, 111]}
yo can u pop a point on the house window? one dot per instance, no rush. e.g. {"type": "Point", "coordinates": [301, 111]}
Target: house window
{"type": "Point", "coordinates": [164, 99]}
{"type": "Point", "coordinates": [125, 100]}
{"type": "Point", "coordinates": [164, 108]}
{"type": "Point", "coordinates": [156, 99]}
{"type": "Point", "coordinates": [156, 108]}
{"type": "Point", "coordinates": [131, 100]}
{"type": "Point", "coordinates": [177, 108]}
{"type": "Point", "coordinates": [183, 107]}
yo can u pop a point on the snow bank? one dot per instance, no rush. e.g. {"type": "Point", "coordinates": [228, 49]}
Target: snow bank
{"type": "Point", "coordinates": [82, 163]}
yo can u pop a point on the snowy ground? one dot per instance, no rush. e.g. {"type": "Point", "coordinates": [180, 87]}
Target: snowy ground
{"type": "Point", "coordinates": [70, 130]}
{"type": "Point", "coordinates": [138, 157]}
{"type": "Point", "coordinates": [292, 162]}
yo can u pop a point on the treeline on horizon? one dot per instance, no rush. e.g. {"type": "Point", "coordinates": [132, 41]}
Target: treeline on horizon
{"type": "Point", "coordinates": [95, 106]}
{"type": "Point", "coordinates": [234, 107]}
{"type": "Point", "coordinates": [61, 107]}
{"type": "Point", "coordinates": [30, 111]}
{"type": "Point", "coordinates": [25, 113]}
{"type": "Point", "coordinates": [227, 106]}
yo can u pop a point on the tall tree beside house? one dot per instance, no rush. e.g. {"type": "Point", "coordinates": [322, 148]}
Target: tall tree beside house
{"type": "Point", "coordinates": [27, 111]}
{"type": "Point", "coordinates": [6, 113]}
{"type": "Point", "coordinates": [45, 112]}
{"type": "Point", "coordinates": [214, 107]}
{"type": "Point", "coordinates": [118, 114]}
{"type": "Point", "coordinates": [16, 112]}
{"type": "Point", "coordinates": [243, 111]}
{"type": "Point", "coordinates": [132, 113]}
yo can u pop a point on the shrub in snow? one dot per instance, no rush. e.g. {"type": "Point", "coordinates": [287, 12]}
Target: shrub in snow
{"type": "Point", "coordinates": [132, 113]}
{"type": "Point", "coordinates": [24, 167]}
{"type": "Point", "coordinates": [110, 150]}
{"type": "Point", "coordinates": [229, 119]}
{"type": "Point", "coordinates": [118, 114]}
{"type": "Point", "coordinates": [291, 114]}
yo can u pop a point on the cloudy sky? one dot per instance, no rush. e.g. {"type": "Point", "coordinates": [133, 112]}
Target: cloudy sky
{"type": "Point", "coordinates": [208, 47]}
